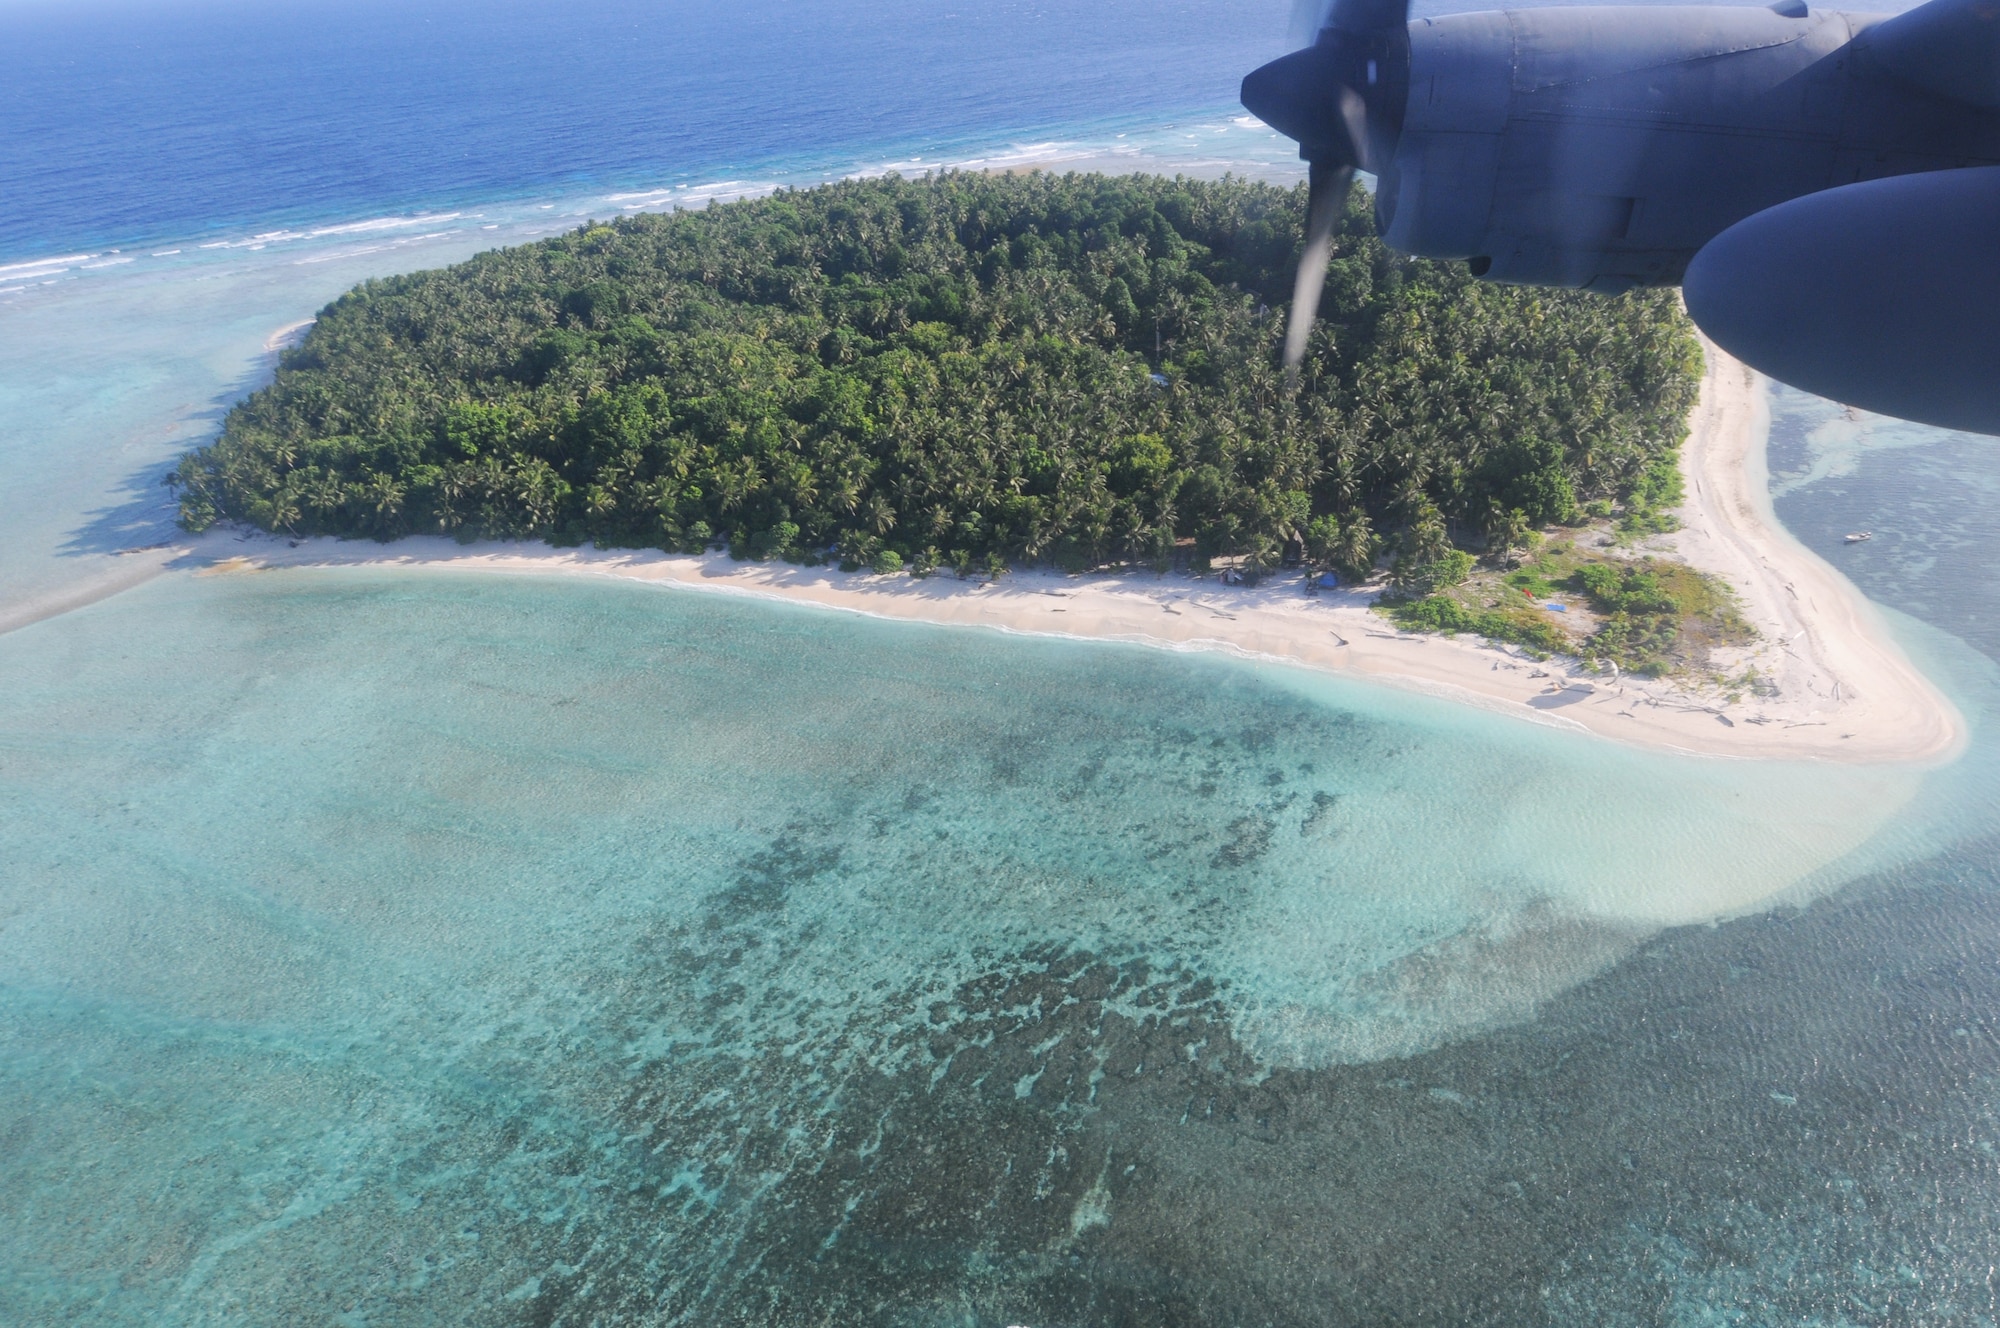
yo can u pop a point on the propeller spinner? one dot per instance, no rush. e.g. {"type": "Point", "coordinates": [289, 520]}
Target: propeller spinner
{"type": "Point", "coordinates": [1342, 98]}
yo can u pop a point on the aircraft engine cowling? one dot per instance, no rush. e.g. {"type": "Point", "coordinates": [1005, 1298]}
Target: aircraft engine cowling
{"type": "Point", "coordinates": [1436, 196]}
{"type": "Point", "coordinates": [1601, 148]}
{"type": "Point", "coordinates": [1825, 184]}
{"type": "Point", "coordinates": [1883, 295]}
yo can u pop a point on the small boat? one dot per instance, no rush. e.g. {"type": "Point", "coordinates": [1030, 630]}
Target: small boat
{"type": "Point", "coordinates": [1860, 536]}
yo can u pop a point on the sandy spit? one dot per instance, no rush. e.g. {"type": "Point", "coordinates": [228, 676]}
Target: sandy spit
{"type": "Point", "coordinates": [1844, 690]}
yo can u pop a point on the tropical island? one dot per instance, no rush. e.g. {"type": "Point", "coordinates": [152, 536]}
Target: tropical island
{"type": "Point", "coordinates": [983, 374]}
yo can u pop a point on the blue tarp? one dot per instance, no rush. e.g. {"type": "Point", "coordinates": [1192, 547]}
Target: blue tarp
{"type": "Point", "coordinates": [1557, 608]}
{"type": "Point", "coordinates": [1328, 580]}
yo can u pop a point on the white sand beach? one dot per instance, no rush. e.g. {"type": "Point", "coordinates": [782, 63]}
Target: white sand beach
{"type": "Point", "coordinates": [1842, 689]}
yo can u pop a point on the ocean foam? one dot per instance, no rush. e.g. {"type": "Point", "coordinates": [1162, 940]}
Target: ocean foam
{"type": "Point", "coordinates": [15, 271]}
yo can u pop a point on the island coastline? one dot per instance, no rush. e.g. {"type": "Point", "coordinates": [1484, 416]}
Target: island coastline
{"type": "Point", "coordinates": [1837, 686]}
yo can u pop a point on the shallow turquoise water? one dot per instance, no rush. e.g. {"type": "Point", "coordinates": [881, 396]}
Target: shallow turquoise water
{"type": "Point", "coordinates": [381, 944]}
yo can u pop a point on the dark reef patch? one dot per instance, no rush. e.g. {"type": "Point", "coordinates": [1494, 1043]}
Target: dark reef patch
{"type": "Point", "coordinates": [1789, 1118]}
{"type": "Point", "coordinates": [1249, 840]}
{"type": "Point", "coordinates": [1319, 819]}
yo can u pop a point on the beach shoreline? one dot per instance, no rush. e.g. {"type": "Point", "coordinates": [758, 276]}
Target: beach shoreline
{"type": "Point", "coordinates": [1838, 686]}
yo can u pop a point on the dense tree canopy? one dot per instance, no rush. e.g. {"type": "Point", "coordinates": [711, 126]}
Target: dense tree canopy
{"type": "Point", "coordinates": [966, 369]}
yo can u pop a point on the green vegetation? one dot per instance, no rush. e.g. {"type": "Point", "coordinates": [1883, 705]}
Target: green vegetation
{"type": "Point", "coordinates": [961, 371]}
{"type": "Point", "coordinates": [1645, 615]}
{"type": "Point", "coordinates": [1501, 621]}
{"type": "Point", "coordinates": [1649, 502]}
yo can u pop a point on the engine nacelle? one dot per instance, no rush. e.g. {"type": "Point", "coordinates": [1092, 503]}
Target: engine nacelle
{"type": "Point", "coordinates": [1883, 295]}
{"type": "Point", "coordinates": [1602, 148]}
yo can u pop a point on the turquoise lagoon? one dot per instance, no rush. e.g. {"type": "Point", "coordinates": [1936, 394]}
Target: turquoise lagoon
{"type": "Point", "coordinates": [391, 944]}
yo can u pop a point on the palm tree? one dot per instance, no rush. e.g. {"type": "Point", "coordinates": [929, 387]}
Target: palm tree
{"type": "Point", "coordinates": [324, 493]}
{"type": "Point", "coordinates": [284, 508]}
{"type": "Point", "coordinates": [880, 515]}
{"type": "Point", "coordinates": [1354, 551]}
{"type": "Point", "coordinates": [385, 495]}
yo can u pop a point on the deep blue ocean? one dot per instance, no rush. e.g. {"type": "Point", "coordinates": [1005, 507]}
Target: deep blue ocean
{"type": "Point", "coordinates": [389, 946]}
{"type": "Point", "coordinates": [132, 122]}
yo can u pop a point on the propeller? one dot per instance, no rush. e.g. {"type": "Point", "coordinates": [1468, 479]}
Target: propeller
{"type": "Point", "coordinates": [1327, 197]}
{"type": "Point", "coordinates": [1342, 98]}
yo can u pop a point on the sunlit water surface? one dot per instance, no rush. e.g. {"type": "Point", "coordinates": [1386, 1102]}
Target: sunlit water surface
{"type": "Point", "coordinates": [380, 941]}
{"type": "Point", "coordinates": [384, 947]}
